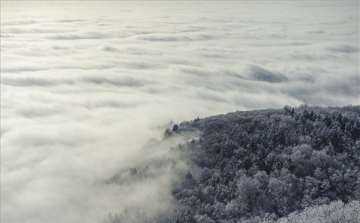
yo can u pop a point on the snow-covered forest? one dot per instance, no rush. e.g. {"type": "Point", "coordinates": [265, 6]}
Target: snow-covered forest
{"type": "Point", "coordinates": [284, 165]}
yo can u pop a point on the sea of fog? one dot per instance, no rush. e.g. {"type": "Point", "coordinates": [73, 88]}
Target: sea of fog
{"type": "Point", "coordinates": [84, 85]}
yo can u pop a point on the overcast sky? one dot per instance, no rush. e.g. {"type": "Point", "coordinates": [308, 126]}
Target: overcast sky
{"type": "Point", "coordinates": [85, 84]}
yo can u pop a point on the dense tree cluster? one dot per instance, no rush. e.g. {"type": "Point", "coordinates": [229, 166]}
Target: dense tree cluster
{"type": "Point", "coordinates": [336, 211]}
{"type": "Point", "coordinates": [260, 166]}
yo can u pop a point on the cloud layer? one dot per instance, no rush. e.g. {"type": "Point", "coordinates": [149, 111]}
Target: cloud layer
{"type": "Point", "coordinates": [84, 84]}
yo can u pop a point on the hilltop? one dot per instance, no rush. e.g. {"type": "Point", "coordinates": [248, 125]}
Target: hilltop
{"type": "Point", "coordinates": [274, 166]}
{"type": "Point", "coordinates": [254, 166]}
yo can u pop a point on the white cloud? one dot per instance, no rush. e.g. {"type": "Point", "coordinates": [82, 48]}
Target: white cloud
{"type": "Point", "coordinates": [83, 86]}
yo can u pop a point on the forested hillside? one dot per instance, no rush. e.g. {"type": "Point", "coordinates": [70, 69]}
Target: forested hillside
{"type": "Point", "coordinates": [261, 166]}
{"type": "Point", "coordinates": [291, 165]}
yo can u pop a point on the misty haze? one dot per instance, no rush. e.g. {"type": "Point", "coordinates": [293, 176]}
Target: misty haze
{"type": "Point", "coordinates": [180, 111]}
